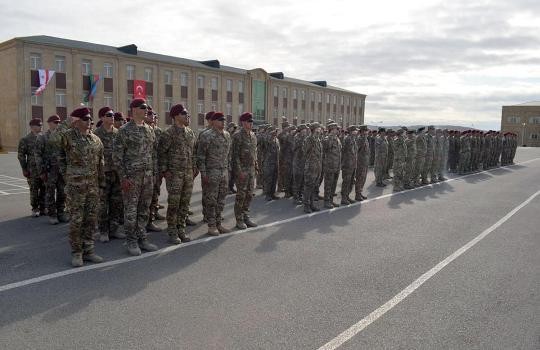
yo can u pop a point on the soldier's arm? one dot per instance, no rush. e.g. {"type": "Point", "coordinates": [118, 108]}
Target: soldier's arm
{"type": "Point", "coordinates": [21, 155]}
{"type": "Point", "coordinates": [163, 152]}
{"type": "Point", "coordinates": [235, 154]}
{"type": "Point", "coordinates": [118, 155]}
{"type": "Point", "coordinates": [101, 166]}
{"type": "Point", "coordinates": [62, 147]}
{"type": "Point", "coordinates": [201, 154]}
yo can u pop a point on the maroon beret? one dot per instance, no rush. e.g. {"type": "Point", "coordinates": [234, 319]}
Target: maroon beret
{"type": "Point", "coordinates": [218, 116]}
{"type": "Point", "coordinates": [209, 115]}
{"type": "Point", "coordinates": [246, 116]}
{"type": "Point", "coordinates": [53, 118]}
{"type": "Point", "coordinates": [35, 122]}
{"type": "Point", "coordinates": [119, 116]}
{"type": "Point", "coordinates": [176, 110]}
{"type": "Point", "coordinates": [137, 102]}
{"type": "Point", "coordinates": [103, 111]}
{"type": "Point", "coordinates": [80, 112]}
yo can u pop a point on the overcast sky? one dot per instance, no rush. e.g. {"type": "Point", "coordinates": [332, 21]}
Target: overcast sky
{"type": "Point", "coordinates": [441, 62]}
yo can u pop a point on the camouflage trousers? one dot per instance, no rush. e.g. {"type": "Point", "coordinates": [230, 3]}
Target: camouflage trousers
{"type": "Point", "coordinates": [270, 175]}
{"type": "Point", "coordinates": [82, 202]}
{"type": "Point", "coordinates": [379, 169]}
{"type": "Point", "coordinates": [137, 205]}
{"type": "Point", "coordinates": [111, 204]}
{"type": "Point", "coordinates": [443, 165]}
{"type": "Point", "coordinates": [214, 193]}
{"type": "Point", "coordinates": [298, 182]}
{"type": "Point", "coordinates": [418, 168]}
{"type": "Point", "coordinates": [287, 177]}
{"type": "Point", "coordinates": [409, 178]}
{"type": "Point", "coordinates": [260, 179]}
{"type": "Point", "coordinates": [435, 167]}
{"type": "Point", "coordinates": [464, 162]}
{"type": "Point", "coordinates": [360, 181]}
{"type": "Point", "coordinates": [347, 181]}
{"type": "Point", "coordinates": [312, 180]}
{"type": "Point", "coordinates": [158, 179]}
{"type": "Point", "coordinates": [426, 169]}
{"type": "Point", "coordinates": [330, 184]}
{"type": "Point", "coordinates": [56, 195]}
{"type": "Point", "coordinates": [399, 173]}
{"type": "Point", "coordinates": [179, 190]}
{"type": "Point", "coordinates": [244, 194]}
{"type": "Point", "coordinates": [37, 193]}
{"type": "Point", "coordinates": [389, 164]}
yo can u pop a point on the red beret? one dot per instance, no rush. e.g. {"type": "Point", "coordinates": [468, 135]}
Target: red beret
{"type": "Point", "coordinates": [80, 112]}
{"type": "Point", "coordinates": [177, 110]}
{"type": "Point", "coordinates": [246, 116]}
{"type": "Point", "coordinates": [103, 111]}
{"type": "Point", "coordinates": [137, 102]}
{"type": "Point", "coordinates": [218, 116]}
{"type": "Point", "coordinates": [209, 115]}
{"type": "Point", "coordinates": [119, 116]}
{"type": "Point", "coordinates": [53, 118]}
{"type": "Point", "coordinates": [35, 122]}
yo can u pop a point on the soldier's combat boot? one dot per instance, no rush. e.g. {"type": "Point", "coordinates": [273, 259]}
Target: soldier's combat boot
{"type": "Point", "coordinates": [335, 204]}
{"type": "Point", "coordinates": [35, 213]}
{"type": "Point", "coordinates": [76, 260]}
{"type": "Point", "coordinates": [158, 216]}
{"type": "Point", "coordinates": [103, 237]}
{"type": "Point", "coordinates": [241, 225]}
{"type": "Point", "coordinates": [190, 222]}
{"type": "Point", "coordinates": [144, 244]}
{"type": "Point", "coordinates": [222, 229]}
{"type": "Point", "coordinates": [314, 207]}
{"type": "Point", "coordinates": [153, 227]}
{"type": "Point", "coordinates": [248, 222]}
{"type": "Point", "coordinates": [117, 235]}
{"type": "Point", "coordinates": [351, 201]}
{"type": "Point", "coordinates": [345, 201]}
{"type": "Point", "coordinates": [173, 239]}
{"type": "Point", "coordinates": [133, 248]}
{"type": "Point", "coordinates": [307, 209]}
{"type": "Point", "coordinates": [184, 237]}
{"type": "Point", "coordinates": [328, 205]}
{"type": "Point", "coordinates": [53, 220]}
{"type": "Point", "coordinates": [92, 257]}
{"type": "Point", "coordinates": [63, 217]}
{"type": "Point", "coordinates": [189, 212]}
{"type": "Point", "coordinates": [213, 231]}
{"type": "Point", "coordinates": [159, 206]}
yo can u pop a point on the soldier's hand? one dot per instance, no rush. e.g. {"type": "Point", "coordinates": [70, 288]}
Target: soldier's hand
{"type": "Point", "coordinates": [26, 173]}
{"type": "Point", "coordinates": [126, 185]}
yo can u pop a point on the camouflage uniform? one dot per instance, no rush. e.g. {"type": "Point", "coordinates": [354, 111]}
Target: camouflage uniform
{"type": "Point", "coordinates": [111, 203]}
{"type": "Point", "coordinates": [56, 196]}
{"type": "Point", "coordinates": [286, 144]}
{"type": "Point", "coordinates": [410, 143]}
{"type": "Point", "coordinates": [426, 171]}
{"type": "Point", "coordinates": [270, 167]}
{"type": "Point", "coordinates": [464, 153]}
{"type": "Point", "coordinates": [298, 165]}
{"type": "Point", "coordinates": [195, 153]}
{"type": "Point", "coordinates": [381, 153]}
{"type": "Point", "coordinates": [331, 166]}
{"type": "Point", "coordinates": [312, 149]}
{"type": "Point", "coordinates": [177, 159]}
{"type": "Point", "coordinates": [362, 165]}
{"type": "Point", "coordinates": [261, 139]}
{"type": "Point", "coordinates": [400, 156]}
{"type": "Point", "coordinates": [390, 157]}
{"type": "Point", "coordinates": [421, 149]}
{"type": "Point", "coordinates": [133, 157]}
{"type": "Point", "coordinates": [30, 155]}
{"type": "Point", "coordinates": [244, 161]}
{"type": "Point", "coordinates": [213, 159]}
{"type": "Point", "coordinates": [81, 163]}
{"type": "Point", "coordinates": [157, 176]}
{"type": "Point", "coordinates": [349, 159]}
{"type": "Point", "coordinates": [435, 162]}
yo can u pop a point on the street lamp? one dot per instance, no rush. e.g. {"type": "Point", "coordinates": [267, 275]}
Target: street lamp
{"type": "Point", "coordinates": [523, 134]}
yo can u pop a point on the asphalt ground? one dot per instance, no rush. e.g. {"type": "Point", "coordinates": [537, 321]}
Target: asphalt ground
{"type": "Point", "coordinates": [296, 282]}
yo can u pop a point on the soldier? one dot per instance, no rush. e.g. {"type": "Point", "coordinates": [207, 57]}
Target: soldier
{"type": "Point", "coordinates": [55, 197]}
{"type": "Point", "coordinates": [381, 153]}
{"type": "Point", "coordinates": [176, 165]}
{"type": "Point", "coordinates": [299, 163]}
{"type": "Point", "coordinates": [30, 155]}
{"type": "Point", "coordinates": [152, 121]}
{"type": "Point", "coordinates": [119, 120]}
{"type": "Point", "coordinates": [443, 168]}
{"type": "Point", "coordinates": [437, 151]}
{"type": "Point", "coordinates": [420, 156]}
{"type": "Point", "coordinates": [261, 140]}
{"type": "Point", "coordinates": [81, 163]}
{"type": "Point", "coordinates": [244, 165]}
{"type": "Point", "coordinates": [400, 157]}
{"type": "Point", "coordinates": [231, 128]}
{"type": "Point", "coordinates": [133, 157]}
{"type": "Point", "coordinates": [286, 145]}
{"type": "Point", "coordinates": [464, 153]}
{"type": "Point", "coordinates": [410, 144]}
{"type": "Point", "coordinates": [362, 162]}
{"type": "Point", "coordinates": [312, 150]}
{"type": "Point", "coordinates": [213, 159]}
{"type": "Point", "coordinates": [390, 158]}
{"type": "Point", "coordinates": [349, 161]}
{"type": "Point", "coordinates": [110, 211]}
{"type": "Point", "coordinates": [209, 122]}
{"type": "Point", "coordinates": [331, 164]}
{"type": "Point", "coordinates": [428, 162]}
{"type": "Point", "coordinates": [271, 164]}
{"type": "Point", "coordinates": [371, 139]}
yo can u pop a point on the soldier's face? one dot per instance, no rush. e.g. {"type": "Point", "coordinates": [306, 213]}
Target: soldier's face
{"type": "Point", "coordinates": [52, 125]}
{"type": "Point", "coordinates": [138, 112]}
{"type": "Point", "coordinates": [35, 129]}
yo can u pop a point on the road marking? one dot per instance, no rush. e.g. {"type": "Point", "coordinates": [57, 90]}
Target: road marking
{"type": "Point", "coordinates": [24, 187]}
{"type": "Point", "coordinates": [168, 249]}
{"type": "Point", "coordinates": [372, 317]}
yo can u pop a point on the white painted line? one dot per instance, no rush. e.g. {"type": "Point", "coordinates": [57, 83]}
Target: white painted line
{"type": "Point", "coordinates": [11, 193]}
{"type": "Point", "coordinates": [3, 183]}
{"type": "Point", "coordinates": [11, 177]}
{"type": "Point", "coordinates": [372, 317]}
{"type": "Point", "coordinates": [165, 250]}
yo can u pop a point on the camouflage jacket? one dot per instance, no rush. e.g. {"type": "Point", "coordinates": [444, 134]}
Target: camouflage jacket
{"type": "Point", "coordinates": [331, 153]}
{"type": "Point", "coordinates": [381, 147]}
{"type": "Point", "coordinates": [244, 152]}
{"type": "Point", "coordinates": [271, 151]}
{"type": "Point", "coordinates": [410, 143]}
{"type": "Point", "coordinates": [400, 149]}
{"type": "Point", "coordinates": [107, 138]}
{"type": "Point", "coordinates": [176, 150]}
{"type": "Point", "coordinates": [298, 152]}
{"type": "Point", "coordinates": [362, 143]}
{"type": "Point", "coordinates": [286, 144]}
{"type": "Point", "coordinates": [213, 151]}
{"type": "Point", "coordinates": [50, 157]}
{"type": "Point", "coordinates": [429, 145]}
{"type": "Point", "coordinates": [349, 153]}
{"type": "Point", "coordinates": [313, 149]}
{"type": "Point", "coordinates": [464, 144]}
{"type": "Point", "coordinates": [81, 158]}
{"type": "Point", "coordinates": [133, 151]}
{"type": "Point", "coordinates": [30, 154]}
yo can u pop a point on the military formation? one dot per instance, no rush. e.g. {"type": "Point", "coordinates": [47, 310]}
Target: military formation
{"type": "Point", "coordinates": [104, 177]}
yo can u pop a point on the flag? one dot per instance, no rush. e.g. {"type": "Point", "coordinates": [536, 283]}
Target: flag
{"type": "Point", "coordinates": [139, 89]}
{"type": "Point", "coordinates": [94, 80]}
{"type": "Point", "coordinates": [45, 76]}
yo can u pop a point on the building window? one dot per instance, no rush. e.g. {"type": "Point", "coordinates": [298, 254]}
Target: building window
{"type": "Point", "coordinates": [200, 81]}
{"type": "Point", "coordinates": [276, 89]}
{"type": "Point", "coordinates": [284, 92]}
{"type": "Point", "coordinates": [328, 98]}
{"type": "Point", "coordinates": [35, 61]}
{"type": "Point", "coordinates": [60, 64]}
{"type": "Point", "coordinates": [240, 109]}
{"type": "Point", "coordinates": [167, 77]}
{"type": "Point", "coordinates": [149, 101]}
{"type": "Point", "coordinates": [241, 87]}
{"type": "Point", "coordinates": [148, 74]}
{"type": "Point", "coordinates": [167, 104]}
{"type": "Point", "coordinates": [534, 120]}
{"type": "Point", "coordinates": [533, 136]}
{"type": "Point", "coordinates": [129, 99]}
{"type": "Point", "coordinates": [108, 100]}
{"type": "Point", "coordinates": [37, 100]}
{"type": "Point", "coordinates": [183, 79]}
{"type": "Point", "coordinates": [320, 97]}
{"type": "Point", "coordinates": [60, 99]}
{"type": "Point", "coordinates": [229, 85]}
{"type": "Point", "coordinates": [86, 67]}
{"type": "Point", "coordinates": [130, 72]}
{"type": "Point", "coordinates": [200, 108]}
{"type": "Point", "coordinates": [214, 82]}
{"type": "Point", "coordinates": [213, 107]}
{"type": "Point", "coordinates": [228, 109]}
{"type": "Point", "coordinates": [107, 70]}
{"type": "Point", "coordinates": [295, 94]}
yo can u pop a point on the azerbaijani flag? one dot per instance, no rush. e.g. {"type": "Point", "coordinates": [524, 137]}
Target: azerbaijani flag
{"type": "Point", "coordinates": [94, 80]}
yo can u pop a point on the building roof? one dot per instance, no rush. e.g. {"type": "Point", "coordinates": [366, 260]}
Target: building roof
{"type": "Point", "coordinates": [530, 104]}
{"type": "Point", "coordinates": [111, 50]}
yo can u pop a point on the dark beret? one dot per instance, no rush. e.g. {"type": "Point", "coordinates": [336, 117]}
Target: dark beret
{"type": "Point", "coordinates": [103, 111]}
{"type": "Point", "coordinates": [421, 129]}
{"type": "Point", "coordinates": [137, 102]}
{"type": "Point", "coordinates": [315, 125]}
{"type": "Point", "coordinates": [246, 116]}
{"type": "Point", "coordinates": [382, 129]}
{"type": "Point", "coordinates": [209, 115]}
{"type": "Point", "coordinates": [80, 112]}
{"type": "Point", "coordinates": [218, 116]}
{"type": "Point", "coordinates": [119, 116]}
{"type": "Point", "coordinates": [53, 118]}
{"type": "Point", "coordinates": [35, 122]}
{"type": "Point", "coordinates": [176, 110]}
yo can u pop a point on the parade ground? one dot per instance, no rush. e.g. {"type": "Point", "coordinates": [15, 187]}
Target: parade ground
{"type": "Point", "coordinates": [453, 265]}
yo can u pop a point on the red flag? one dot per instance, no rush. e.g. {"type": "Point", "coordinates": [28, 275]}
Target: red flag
{"type": "Point", "coordinates": [139, 89]}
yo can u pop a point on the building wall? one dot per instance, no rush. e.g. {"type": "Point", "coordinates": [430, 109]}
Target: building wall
{"type": "Point", "coordinates": [10, 127]}
{"type": "Point", "coordinates": [524, 121]}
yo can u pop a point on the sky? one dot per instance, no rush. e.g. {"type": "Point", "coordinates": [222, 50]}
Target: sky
{"type": "Point", "coordinates": [418, 61]}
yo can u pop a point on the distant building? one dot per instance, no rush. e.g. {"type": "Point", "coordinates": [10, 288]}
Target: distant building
{"type": "Point", "coordinates": [202, 86]}
{"type": "Point", "coordinates": [524, 120]}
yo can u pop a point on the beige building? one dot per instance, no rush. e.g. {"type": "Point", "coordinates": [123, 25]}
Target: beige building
{"type": "Point", "coordinates": [200, 85]}
{"type": "Point", "coordinates": [524, 120]}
